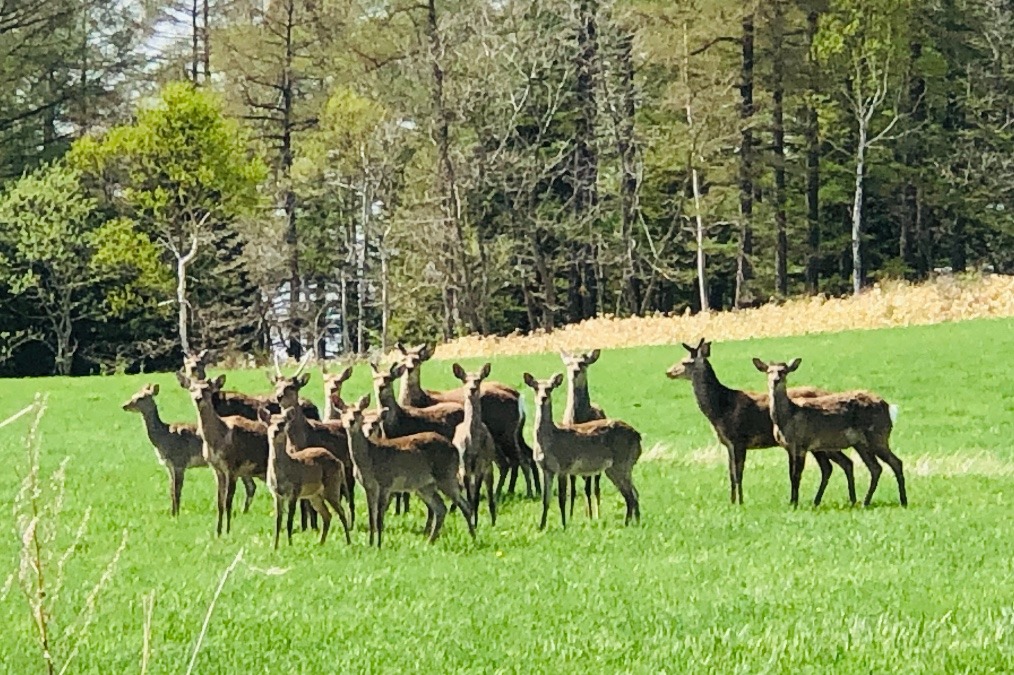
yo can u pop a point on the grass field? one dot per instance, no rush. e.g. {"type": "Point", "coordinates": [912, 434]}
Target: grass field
{"type": "Point", "coordinates": [700, 586]}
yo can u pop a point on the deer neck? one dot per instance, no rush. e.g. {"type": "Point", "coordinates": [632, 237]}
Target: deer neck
{"type": "Point", "coordinates": [578, 408]}
{"type": "Point", "coordinates": [153, 424]}
{"type": "Point", "coordinates": [332, 410]}
{"type": "Point", "coordinates": [544, 426]}
{"type": "Point", "coordinates": [211, 427]}
{"type": "Point", "coordinates": [298, 428]}
{"type": "Point", "coordinates": [277, 449]}
{"type": "Point", "coordinates": [386, 399]}
{"type": "Point", "coordinates": [712, 396]}
{"type": "Point", "coordinates": [781, 405]}
{"type": "Point", "coordinates": [359, 448]}
{"type": "Point", "coordinates": [473, 413]}
{"type": "Point", "coordinates": [411, 392]}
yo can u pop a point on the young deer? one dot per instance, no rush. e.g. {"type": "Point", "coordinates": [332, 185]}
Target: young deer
{"type": "Point", "coordinates": [502, 413]}
{"type": "Point", "coordinates": [424, 463]}
{"type": "Point", "coordinates": [234, 446]}
{"type": "Point", "coordinates": [177, 446]}
{"type": "Point", "coordinates": [475, 443]}
{"type": "Point", "coordinates": [855, 419]}
{"type": "Point", "coordinates": [235, 403]}
{"type": "Point", "coordinates": [313, 474]}
{"type": "Point", "coordinates": [580, 409]}
{"type": "Point", "coordinates": [603, 446]}
{"type": "Point", "coordinates": [742, 420]}
{"type": "Point", "coordinates": [334, 405]}
{"type": "Point", "coordinates": [304, 433]}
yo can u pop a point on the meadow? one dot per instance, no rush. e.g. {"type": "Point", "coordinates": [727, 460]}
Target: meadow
{"type": "Point", "coordinates": [699, 586]}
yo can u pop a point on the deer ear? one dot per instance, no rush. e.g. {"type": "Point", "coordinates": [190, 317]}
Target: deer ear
{"type": "Point", "coordinates": [705, 349]}
{"type": "Point", "coordinates": [374, 366]}
{"type": "Point", "coordinates": [427, 351]}
{"type": "Point", "coordinates": [182, 379]}
{"type": "Point", "coordinates": [593, 356]}
{"type": "Point", "coordinates": [530, 381]}
{"type": "Point", "coordinates": [556, 381]}
{"type": "Point", "coordinates": [760, 365]}
{"type": "Point", "coordinates": [484, 373]}
{"type": "Point", "coordinates": [154, 390]}
{"type": "Point", "coordinates": [345, 374]}
{"type": "Point", "coordinates": [202, 355]}
{"type": "Point", "coordinates": [688, 347]}
{"type": "Point", "coordinates": [264, 415]}
{"type": "Point", "coordinates": [701, 343]}
{"type": "Point", "coordinates": [401, 347]}
{"type": "Point", "coordinates": [303, 379]}
{"type": "Point", "coordinates": [459, 372]}
{"type": "Point", "coordinates": [363, 402]}
{"type": "Point", "coordinates": [564, 355]}
{"type": "Point", "coordinates": [397, 370]}
{"type": "Point", "coordinates": [795, 363]}
{"type": "Point", "coordinates": [270, 376]}
{"type": "Point", "coordinates": [219, 381]}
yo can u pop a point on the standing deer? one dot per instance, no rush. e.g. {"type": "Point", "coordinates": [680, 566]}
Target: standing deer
{"type": "Point", "coordinates": [502, 413]}
{"type": "Point", "coordinates": [304, 433]}
{"type": "Point", "coordinates": [742, 420]}
{"type": "Point", "coordinates": [177, 446]}
{"type": "Point", "coordinates": [234, 446]}
{"type": "Point", "coordinates": [334, 405]}
{"type": "Point", "coordinates": [856, 419]}
{"type": "Point", "coordinates": [580, 409]}
{"type": "Point", "coordinates": [603, 446]}
{"type": "Point", "coordinates": [424, 463]}
{"type": "Point", "coordinates": [313, 474]}
{"type": "Point", "coordinates": [475, 443]}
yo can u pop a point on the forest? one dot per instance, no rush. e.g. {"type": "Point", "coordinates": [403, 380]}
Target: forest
{"type": "Point", "coordinates": [256, 175]}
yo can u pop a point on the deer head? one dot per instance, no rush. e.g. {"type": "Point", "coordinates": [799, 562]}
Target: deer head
{"type": "Point", "coordinates": [472, 381]}
{"type": "Point", "coordinates": [143, 399]}
{"type": "Point", "coordinates": [778, 373]}
{"type": "Point", "coordinates": [543, 388]}
{"type": "Point", "coordinates": [693, 363]}
{"type": "Point", "coordinates": [577, 364]}
{"type": "Point", "coordinates": [194, 364]}
{"type": "Point", "coordinates": [333, 385]}
{"type": "Point", "coordinates": [383, 381]}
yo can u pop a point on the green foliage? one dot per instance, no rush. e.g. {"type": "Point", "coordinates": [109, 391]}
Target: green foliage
{"type": "Point", "coordinates": [699, 585]}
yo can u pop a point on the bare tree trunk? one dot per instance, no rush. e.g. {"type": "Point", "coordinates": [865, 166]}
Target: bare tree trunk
{"type": "Point", "coordinates": [343, 284]}
{"type": "Point", "coordinates": [812, 133]}
{"type": "Point", "coordinates": [857, 211]}
{"type": "Point", "coordinates": [744, 271]}
{"type": "Point", "coordinates": [702, 283]}
{"type": "Point", "coordinates": [778, 123]}
{"type": "Point", "coordinates": [627, 150]}
{"type": "Point", "coordinates": [195, 56]}
{"type": "Point", "coordinates": [182, 261]}
{"type": "Point", "coordinates": [206, 35]}
{"type": "Point", "coordinates": [385, 300]}
{"type": "Point", "coordinates": [585, 154]}
{"type": "Point", "coordinates": [363, 245]}
{"type": "Point", "coordinates": [295, 348]}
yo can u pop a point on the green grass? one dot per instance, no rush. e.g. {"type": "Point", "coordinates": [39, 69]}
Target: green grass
{"type": "Point", "coordinates": [700, 586]}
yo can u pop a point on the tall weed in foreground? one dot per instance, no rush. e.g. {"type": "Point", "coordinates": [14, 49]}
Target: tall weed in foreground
{"type": "Point", "coordinates": [42, 563]}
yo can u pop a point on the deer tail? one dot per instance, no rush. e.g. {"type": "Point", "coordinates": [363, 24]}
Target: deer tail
{"type": "Point", "coordinates": [521, 407]}
{"type": "Point", "coordinates": [892, 410]}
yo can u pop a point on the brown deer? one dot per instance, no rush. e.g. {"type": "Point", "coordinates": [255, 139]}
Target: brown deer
{"type": "Point", "coordinates": [742, 420]}
{"type": "Point", "coordinates": [580, 409]}
{"type": "Point", "coordinates": [235, 403]}
{"type": "Point", "coordinates": [305, 433]}
{"type": "Point", "coordinates": [234, 446]}
{"type": "Point", "coordinates": [856, 419]}
{"type": "Point", "coordinates": [178, 446]}
{"type": "Point", "coordinates": [313, 474]}
{"type": "Point", "coordinates": [399, 420]}
{"type": "Point", "coordinates": [475, 443]}
{"type": "Point", "coordinates": [603, 446]}
{"type": "Point", "coordinates": [502, 413]}
{"type": "Point", "coordinates": [334, 405]}
{"type": "Point", "coordinates": [424, 463]}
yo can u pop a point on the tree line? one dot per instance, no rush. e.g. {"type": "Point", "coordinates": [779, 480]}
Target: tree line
{"type": "Point", "coordinates": [335, 175]}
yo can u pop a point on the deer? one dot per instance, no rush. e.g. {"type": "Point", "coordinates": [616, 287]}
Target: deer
{"type": "Point", "coordinates": [305, 433]}
{"type": "Point", "coordinates": [312, 474]}
{"type": "Point", "coordinates": [425, 463]}
{"type": "Point", "coordinates": [579, 408]}
{"type": "Point", "coordinates": [236, 403]}
{"type": "Point", "coordinates": [334, 405]}
{"type": "Point", "coordinates": [502, 413]}
{"type": "Point", "coordinates": [475, 443]}
{"type": "Point", "coordinates": [602, 446]}
{"type": "Point", "coordinates": [742, 420]}
{"type": "Point", "coordinates": [856, 419]}
{"type": "Point", "coordinates": [178, 446]}
{"type": "Point", "coordinates": [234, 446]}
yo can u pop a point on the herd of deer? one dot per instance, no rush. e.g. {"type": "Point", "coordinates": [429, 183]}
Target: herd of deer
{"type": "Point", "coordinates": [434, 443]}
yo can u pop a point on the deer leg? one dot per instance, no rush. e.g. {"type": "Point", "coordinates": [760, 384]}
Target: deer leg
{"type": "Point", "coordinates": [547, 494]}
{"type": "Point", "coordinates": [732, 473]}
{"type": "Point", "coordinates": [561, 490]}
{"type": "Point", "coordinates": [230, 492]}
{"type": "Point", "coordinates": [307, 516]}
{"type": "Point", "coordinates": [797, 460]}
{"type": "Point", "coordinates": [372, 498]}
{"type": "Point", "coordinates": [526, 471]}
{"type": "Point", "coordinates": [333, 496]}
{"type": "Point", "coordinates": [825, 474]}
{"type": "Point", "coordinates": [535, 475]}
{"type": "Point", "coordinates": [490, 496]}
{"type": "Point", "coordinates": [842, 460]}
{"type": "Point", "coordinates": [251, 488]}
{"type": "Point", "coordinates": [350, 492]}
{"type": "Point", "coordinates": [222, 481]}
{"type": "Point", "coordinates": [175, 489]}
{"type": "Point", "coordinates": [874, 468]}
{"type": "Point", "coordinates": [894, 462]}
{"type": "Point", "coordinates": [436, 506]}
{"type": "Point", "coordinates": [573, 493]}
{"type": "Point", "coordinates": [512, 483]}
{"type": "Point", "coordinates": [739, 456]}
{"type": "Point", "coordinates": [598, 495]}
{"type": "Point", "coordinates": [397, 503]}
{"type": "Point", "coordinates": [625, 484]}
{"type": "Point", "coordinates": [382, 502]}
{"type": "Point", "coordinates": [317, 502]}
{"type": "Point", "coordinates": [279, 507]}
{"type": "Point", "coordinates": [453, 492]}
{"type": "Point", "coordinates": [290, 515]}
